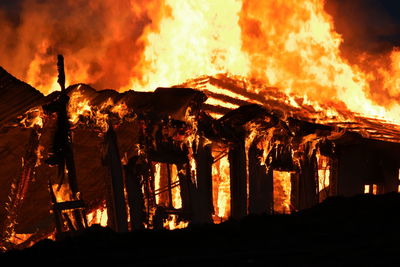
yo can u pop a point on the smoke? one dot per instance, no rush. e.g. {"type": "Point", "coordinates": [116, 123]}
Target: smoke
{"type": "Point", "coordinates": [367, 26]}
{"type": "Point", "coordinates": [102, 41]}
{"type": "Point", "coordinates": [371, 34]}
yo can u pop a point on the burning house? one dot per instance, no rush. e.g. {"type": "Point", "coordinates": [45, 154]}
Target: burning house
{"type": "Point", "coordinates": [189, 154]}
{"type": "Point", "coordinates": [250, 112]}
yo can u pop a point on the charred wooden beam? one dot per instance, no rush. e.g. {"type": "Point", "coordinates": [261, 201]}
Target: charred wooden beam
{"type": "Point", "coordinates": [238, 180]}
{"type": "Point", "coordinates": [260, 183]}
{"type": "Point", "coordinates": [185, 183]}
{"type": "Point", "coordinates": [203, 205]}
{"type": "Point", "coordinates": [116, 207]}
{"type": "Point", "coordinates": [134, 172]}
{"type": "Point", "coordinates": [56, 212]}
{"type": "Point", "coordinates": [61, 151]}
{"type": "Point", "coordinates": [308, 180]}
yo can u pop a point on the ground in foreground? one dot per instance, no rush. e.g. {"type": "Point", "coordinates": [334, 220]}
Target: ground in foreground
{"type": "Point", "coordinates": [340, 231]}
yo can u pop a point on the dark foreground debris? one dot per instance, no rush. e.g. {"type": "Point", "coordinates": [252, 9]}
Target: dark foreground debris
{"type": "Point", "coordinates": [340, 231]}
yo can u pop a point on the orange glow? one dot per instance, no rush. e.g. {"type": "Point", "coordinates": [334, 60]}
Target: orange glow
{"type": "Point", "coordinates": [374, 189]}
{"type": "Point", "coordinates": [221, 187]}
{"type": "Point", "coordinates": [282, 190]}
{"type": "Point", "coordinates": [17, 239]}
{"type": "Point", "coordinates": [78, 106]}
{"type": "Point", "coordinates": [197, 39]}
{"type": "Point", "coordinates": [172, 223]}
{"type": "Point", "coordinates": [62, 193]}
{"type": "Point", "coordinates": [157, 180]}
{"type": "Point", "coordinates": [366, 188]}
{"type": "Point", "coordinates": [98, 216]}
{"type": "Point", "coordinates": [324, 172]}
{"type": "Point", "coordinates": [291, 45]}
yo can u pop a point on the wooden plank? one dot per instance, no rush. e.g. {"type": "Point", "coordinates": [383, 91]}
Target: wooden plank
{"type": "Point", "coordinates": [117, 214]}
{"type": "Point", "coordinates": [260, 183]}
{"type": "Point", "coordinates": [203, 205]}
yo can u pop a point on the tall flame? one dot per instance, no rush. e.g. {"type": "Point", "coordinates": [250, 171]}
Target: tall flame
{"type": "Point", "coordinates": [141, 45]}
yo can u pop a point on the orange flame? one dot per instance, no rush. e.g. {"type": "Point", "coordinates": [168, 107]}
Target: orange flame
{"type": "Point", "coordinates": [282, 189]}
{"type": "Point", "coordinates": [288, 44]}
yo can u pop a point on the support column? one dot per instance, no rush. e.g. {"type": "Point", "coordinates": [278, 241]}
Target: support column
{"type": "Point", "coordinates": [184, 185]}
{"type": "Point", "coordinates": [260, 183]}
{"type": "Point", "coordinates": [133, 180]}
{"type": "Point", "coordinates": [308, 179]}
{"type": "Point", "coordinates": [116, 207]}
{"type": "Point", "coordinates": [203, 205]}
{"type": "Point", "coordinates": [238, 176]}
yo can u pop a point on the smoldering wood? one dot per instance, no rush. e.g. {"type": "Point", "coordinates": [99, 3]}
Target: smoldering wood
{"type": "Point", "coordinates": [238, 180]}
{"type": "Point", "coordinates": [260, 182]}
{"type": "Point", "coordinates": [116, 207]}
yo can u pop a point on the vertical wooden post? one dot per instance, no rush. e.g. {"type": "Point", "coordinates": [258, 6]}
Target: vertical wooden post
{"type": "Point", "coordinates": [133, 180]}
{"type": "Point", "coordinates": [164, 198]}
{"type": "Point", "coordinates": [62, 152]}
{"type": "Point", "coordinates": [184, 185]}
{"type": "Point", "coordinates": [203, 202]}
{"type": "Point", "coordinates": [117, 213]}
{"type": "Point", "coordinates": [308, 181]}
{"type": "Point", "coordinates": [260, 183]}
{"type": "Point", "coordinates": [238, 176]}
{"type": "Point", "coordinates": [169, 188]}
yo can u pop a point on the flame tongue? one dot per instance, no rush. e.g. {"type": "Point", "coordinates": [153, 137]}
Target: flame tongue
{"type": "Point", "coordinates": [288, 44]}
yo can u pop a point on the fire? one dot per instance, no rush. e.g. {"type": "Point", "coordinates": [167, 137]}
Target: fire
{"type": "Point", "coordinates": [78, 106]}
{"type": "Point", "coordinates": [157, 179]}
{"type": "Point", "coordinates": [282, 189]}
{"type": "Point", "coordinates": [291, 45]}
{"type": "Point", "coordinates": [221, 186]}
{"type": "Point", "coordinates": [62, 192]}
{"type": "Point", "coordinates": [196, 39]}
{"type": "Point", "coordinates": [288, 44]}
{"type": "Point", "coordinates": [173, 223]}
{"type": "Point", "coordinates": [324, 172]}
{"type": "Point", "coordinates": [98, 216]}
